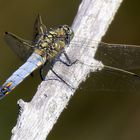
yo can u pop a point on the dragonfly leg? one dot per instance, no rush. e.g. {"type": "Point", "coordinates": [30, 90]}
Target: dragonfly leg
{"type": "Point", "coordinates": [41, 72]}
{"type": "Point", "coordinates": [32, 74]}
{"type": "Point", "coordinates": [61, 79]}
{"type": "Point", "coordinates": [51, 68]}
{"type": "Point", "coordinates": [69, 62]}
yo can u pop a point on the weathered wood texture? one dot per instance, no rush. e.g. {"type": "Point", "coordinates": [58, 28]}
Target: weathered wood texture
{"type": "Point", "coordinates": [38, 116]}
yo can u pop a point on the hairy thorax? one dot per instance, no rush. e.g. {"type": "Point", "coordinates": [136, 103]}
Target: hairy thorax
{"type": "Point", "coordinates": [50, 45]}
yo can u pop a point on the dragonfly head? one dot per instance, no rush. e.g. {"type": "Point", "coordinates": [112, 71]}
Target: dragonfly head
{"type": "Point", "coordinates": [66, 32]}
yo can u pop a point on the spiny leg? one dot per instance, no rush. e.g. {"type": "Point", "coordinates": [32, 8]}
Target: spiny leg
{"type": "Point", "coordinates": [32, 74]}
{"type": "Point", "coordinates": [61, 79]}
{"type": "Point", "coordinates": [70, 63]}
{"type": "Point", "coordinates": [41, 71]}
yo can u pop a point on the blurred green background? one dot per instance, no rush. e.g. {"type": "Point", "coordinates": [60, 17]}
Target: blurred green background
{"type": "Point", "coordinates": [106, 107]}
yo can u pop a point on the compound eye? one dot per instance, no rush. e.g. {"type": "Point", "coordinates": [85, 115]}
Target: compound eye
{"type": "Point", "coordinates": [66, 27]}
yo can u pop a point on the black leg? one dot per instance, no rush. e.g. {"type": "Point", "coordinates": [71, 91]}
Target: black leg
{"type": "Point", "coordinates": [32, 74]}
{"type": "Point", "coordinates": [41, 71]}
{"type": "Point", "coordinates": [70, 63]}
{"type": "Point", "coordinates": [61, 79]}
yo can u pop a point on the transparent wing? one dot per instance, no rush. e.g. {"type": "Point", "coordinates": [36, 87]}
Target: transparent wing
{"type": "Point", "coordinates": [119, 55]}
{"type": "Point", "coordinates": [39, 28]}
{"type": "Point", "coordinates": [21, 47]}
{"type": "Point", "coordinates": [113, 81]}
{"type": "Point", "coordinates": [115, 55]}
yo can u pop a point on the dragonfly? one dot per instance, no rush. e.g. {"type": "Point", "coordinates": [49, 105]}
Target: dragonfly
{"type": "Point", "coordinates": [46, 45]}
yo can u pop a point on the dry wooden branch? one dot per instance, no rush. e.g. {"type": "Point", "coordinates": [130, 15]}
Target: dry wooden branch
{"type": "Point", "coordinates": [37, 117]}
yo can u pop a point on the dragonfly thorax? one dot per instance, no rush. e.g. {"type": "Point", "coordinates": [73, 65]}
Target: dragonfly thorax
{"type": "Point", "coordinates": [54, 40]}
